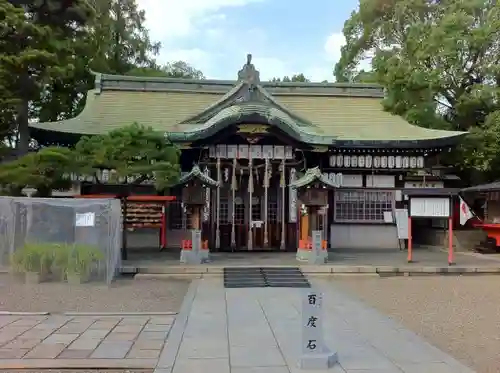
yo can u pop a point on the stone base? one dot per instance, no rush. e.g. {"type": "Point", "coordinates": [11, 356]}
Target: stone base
{"type": "Point", "coordinates": [190, 257]}
{"type": "Point", "coordinates": [309, 256]}
{"type": "Point", "coordinates": [205, 256]}
{"type": "Point", "coordinates": [318, 361]}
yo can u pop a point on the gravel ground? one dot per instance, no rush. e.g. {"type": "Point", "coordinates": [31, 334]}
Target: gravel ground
{"type": "Point", "coordinates": [124, 295]}
{"type": "Point", "coordinates": [460, 315]}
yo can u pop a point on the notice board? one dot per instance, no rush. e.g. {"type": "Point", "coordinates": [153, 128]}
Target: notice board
{"type": "Point", "coordinates": [401, 216]}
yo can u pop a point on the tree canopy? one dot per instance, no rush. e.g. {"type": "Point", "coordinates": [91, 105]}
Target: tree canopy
{"type": "Point", "coordinates": [295, 78]}
{"type": "Point", "coordinates": [49, 49]}
{"type": "Point", "coordinates": [134, 152]}
{"type": "Point", "coordinates": [440, 64]}
{"type": "Point", "coordinates": [39, 43]}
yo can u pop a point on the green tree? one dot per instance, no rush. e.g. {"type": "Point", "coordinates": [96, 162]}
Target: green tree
{"type": "Point", "coordinates": [295, 78]}
{"type": "Point", "coordinates": [116, 42]}
{"type": "Point", "coordinates": [134, 152]}
{"type": "Point", "coordinates": [44, 170]}
{"type": "Point", "coordinates": [37, 43]}
{"type": "Point", "coordinates": [121, 41]}
{"type": "Point", "coordinates": [178, 69]}
{"type": "Point", "coordinates": [438, 60]}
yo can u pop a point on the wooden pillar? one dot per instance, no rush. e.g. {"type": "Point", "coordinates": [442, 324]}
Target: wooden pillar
{"type": "Point", "coordinates": [314, 218]}
{"type": "Point", "coordinates": [196, 217]}
{"type": "Point", "coordinates": [304, 227]}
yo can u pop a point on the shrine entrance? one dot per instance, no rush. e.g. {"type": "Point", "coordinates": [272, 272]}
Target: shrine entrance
{"type": "Point", "coordinates": [249, 218]}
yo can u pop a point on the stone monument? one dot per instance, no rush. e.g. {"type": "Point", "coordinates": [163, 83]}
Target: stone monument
{"type": "Point", "coordinates": [315, 353]}
{"type": "Point", "coordinates": [317, 254]}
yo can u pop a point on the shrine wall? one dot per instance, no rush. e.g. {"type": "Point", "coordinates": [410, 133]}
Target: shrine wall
{"type": "Point", "coordinates": [363, 236]}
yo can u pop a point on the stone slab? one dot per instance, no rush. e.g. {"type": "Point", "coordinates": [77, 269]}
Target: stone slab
{"type": "Point", "coordinates": [112, 350]}
{"type": "Point", "coordinates": [262, 328]}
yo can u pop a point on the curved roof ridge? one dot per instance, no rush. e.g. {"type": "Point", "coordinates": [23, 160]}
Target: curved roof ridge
{"type": "Point", "coordinates": [276, 103]}
{"type": "Point", "coordinates": [82, 116]}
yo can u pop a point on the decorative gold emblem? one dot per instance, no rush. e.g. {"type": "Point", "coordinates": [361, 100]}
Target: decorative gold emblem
{"type": "Point", "coordinates": [252, 128]}
{"type": "Point", "coordinates": [253, 140]}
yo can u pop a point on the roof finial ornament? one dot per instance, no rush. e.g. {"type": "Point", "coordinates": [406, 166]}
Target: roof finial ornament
{"type": "Point", "coordinates": [248, 73]}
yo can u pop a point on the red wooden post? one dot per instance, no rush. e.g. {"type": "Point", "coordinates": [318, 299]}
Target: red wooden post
{"type": "Point", "coordinates": [410, 243]}
{"type": "Point", "coordinates": [163, 228]}
{"type": "Point", "coordinates": [450, 240]}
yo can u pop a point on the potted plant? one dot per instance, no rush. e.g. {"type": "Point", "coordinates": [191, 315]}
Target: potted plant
{"type": "Point", "coordinates": [34, 260]}
{"type": "Point", "coordinates": [79, 261]}
{"type": "Point", "coordinates": [60, 259]}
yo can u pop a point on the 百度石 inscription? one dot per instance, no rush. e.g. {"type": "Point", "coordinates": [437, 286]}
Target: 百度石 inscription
{"type": "Point", "coordinates": [315, 354]}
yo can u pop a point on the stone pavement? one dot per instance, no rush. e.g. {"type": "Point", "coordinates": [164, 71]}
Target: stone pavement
{"type": "Point", "coordinates": [58, 341]}
{"type": "Point", "coordinates": [258, 331]}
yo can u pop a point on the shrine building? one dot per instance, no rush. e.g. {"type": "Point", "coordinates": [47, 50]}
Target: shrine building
{"type": "Point", "coordinates": [274, 160]}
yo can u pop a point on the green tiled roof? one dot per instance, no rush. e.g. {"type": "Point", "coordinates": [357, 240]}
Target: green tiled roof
{"type": "Point", "coordinates": [312, 175]}
{"type": "Point", "coordinates": [197, 174]}
{"type": "Point", "coordinates": [321, 114]}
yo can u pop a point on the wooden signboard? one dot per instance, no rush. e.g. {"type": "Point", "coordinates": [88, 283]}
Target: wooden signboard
{"type": "Point", "coordinates": [314, 197]}
{"type": "Point", "coordinates": [193, 195]}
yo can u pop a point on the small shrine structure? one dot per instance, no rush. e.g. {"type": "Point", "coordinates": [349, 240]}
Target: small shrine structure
{"type": "Point", "coordinates": [195, 192]}
{"type": "Point", "coordinates": [313, 190]}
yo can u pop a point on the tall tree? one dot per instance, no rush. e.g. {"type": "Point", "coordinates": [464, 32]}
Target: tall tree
{"type": "Point", "coordinates": [116, 42]}
{"type": "Point", "coordinates": [38, 39]}
{"type": "Point", "coordinates": [121, 41]}
{"type": "Point", "coordinates": [438, 60]}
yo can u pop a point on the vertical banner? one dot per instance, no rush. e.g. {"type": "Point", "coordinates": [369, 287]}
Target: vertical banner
{"type": "Point", "coordinates": [206, 208]}
{"type": "Point", "coordinates": [292, 193]}
{"type": "Point", "coordinates": [250, 199]}
{"type": "Point", "coordinates": [217, 211]}
{"type": "Point", "coordinates": [267, 175]}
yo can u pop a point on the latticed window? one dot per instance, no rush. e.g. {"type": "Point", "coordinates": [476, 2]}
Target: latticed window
{"type": "Point", "coordinates": [239, 211]}
{"type": "Point", "coordinates": [256, 209]}
{"type": "Point", "coordinates": [362, 206]}
{"type": "Point", "coordinates": [224, 210]}
{"type": "Point", "coordinates": [272, 210]}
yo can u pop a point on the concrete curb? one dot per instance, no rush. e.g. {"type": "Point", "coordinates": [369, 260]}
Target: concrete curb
{"type": "Point", "coordinates": [174, 339]}
{"type": "Point", "coordinates": [15, 313]}
{"type": "Point", "coordinates": [62, 364]}
{"type": "Point", "coordinates": [408, 270]}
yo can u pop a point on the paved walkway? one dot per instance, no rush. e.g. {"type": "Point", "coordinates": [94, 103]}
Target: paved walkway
{"type": "Point", "coordinates": [221, 331]}
{"type": "Point", "coordinates": [81, 341]}
{"type": "Point", "coordinates": [258, 331]}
